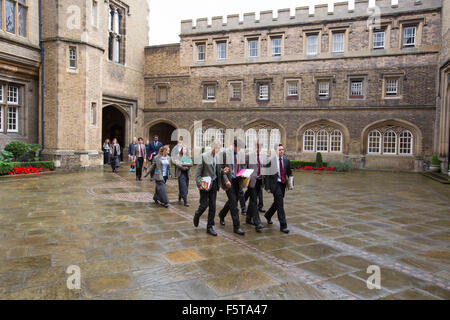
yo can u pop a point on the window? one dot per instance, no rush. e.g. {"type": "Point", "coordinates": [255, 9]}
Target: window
{"type": "Point", "coordinates": [72, 57]}
{"type": "Point", "coordinates": [250, 139]}
{"type": "Point", "coordinates": [209, 92]}
{"type": "Point", "coordinates": [312, 44]}
{"type": "Point", "coordinates": [201, 53]}
{"type": "Point", "coordinates": [253, 48]}
{"type": "Point", "coordinates": [13, 95]}
{"type": "Point", "coordinates": [374, 143]}
{"type": "Point", "coordinates": [292, 90]}
{"type": "Point", "coordinates": [378, 39]}
{"type": "Point", "coordinates": [263, 137]}
{"type": "Point", "coordinates": [409, 36]}
{"type": "Point", "coordinates": [338, 42]}
{"type": "Point", "coordinates": [309, 141]}
{"type": "Point", "coordinates": [263, 92]}
{"type": "Point", "coordinates": [391, 87]}
{"type": "Point", "coordinates": [336, 141]}
{"type": "Point", "coordinates": [116, 45]}
{"type": "Point", "coordinates": [356, 89]}
{"type": "Point", "coordinates": [324, 89]}
{"type": "Point", "coordinates": [322, 141]}
{"type": "Point", "coordinates": [162, 94]}
{"type": "Point", "coordinates": [406, 142]}
{"type": "Point", "coordinates": [93, 114]}
{"type": "Point", "coordinates": [13, 119]}
{"type": "Point", "coordinates": [22, 12]}
{"type": "Point", "coordinates": [1, 118]}
{"type": "Point", "coordinates": [235, 92]}
{"type": "Point", "coordinates": [2, 88]}
{"type": "Point", "coordinates": [94, 13]}
{"type": "Point", "coordinates": [275, 138]}
{"type": "Point", "coordinates": [276, 46]}
{"type": "Point", "coordinates": [222, 50]}
{"type": "Point", "coordinates": [390, 142]}
{"type": "Point", "coordinates": [198, 138]}
{"type": "Point", "coordinates": [220, 136]}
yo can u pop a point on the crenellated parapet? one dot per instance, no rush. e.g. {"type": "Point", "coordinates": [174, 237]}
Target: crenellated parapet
{"type": "Point", "coordinates": [353, 9]}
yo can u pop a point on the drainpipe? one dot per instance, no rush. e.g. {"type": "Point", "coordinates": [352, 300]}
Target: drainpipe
{"type": "Point", "coordinates": [42, 81]}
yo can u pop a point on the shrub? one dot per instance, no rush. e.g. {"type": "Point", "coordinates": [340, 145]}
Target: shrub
{"type": "Point", "coordinates": [435, 160]}
{"type": "Point", "coordinates": [17, 148]}
{"type": "Point", "coordinates": [5, 168]}
{"type": "Point", "coordinates": [295, 164]}
{"type": "Point", "coordinates": [319, 161]}
{"type": "Point", "coordinates": [340, 166]}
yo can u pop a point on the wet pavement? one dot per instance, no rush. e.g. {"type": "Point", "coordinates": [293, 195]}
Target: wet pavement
{"type": "Point", "coordinates": [129, 248]}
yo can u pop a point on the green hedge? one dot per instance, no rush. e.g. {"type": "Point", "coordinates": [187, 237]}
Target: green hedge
{"type": "Point", "coordinates": [296, 163]}
{"type": "Point", "coordinates": [4, 169]}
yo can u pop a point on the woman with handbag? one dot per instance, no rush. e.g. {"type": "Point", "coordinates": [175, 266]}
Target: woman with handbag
{"type": "Point", "coordinates": [183, 166]}
{"type": "Point", "coordinates": [115, 153]}
{"type": "Point", "coordinates": [161, 171]}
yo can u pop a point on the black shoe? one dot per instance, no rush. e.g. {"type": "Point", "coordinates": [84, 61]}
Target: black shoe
{"type": "Point", "coordinates": [239, 231]}
{"type": "Point", "coordinates": [186, 205]}
{"type": "Point", "coordinates": [211, 231]}
{"type": "Point", "coordinates": [259, 228]}
{"type": "Point", "coordinates": [244, 211]}
{"type": "Point", "coordinates": [222, 221]}
{"type": "Point", "coordinates": [285, 230]}
{"type": "Point", "coordinates": [196, 220]}
{"type": "Point", "coordinates": [269, 221]}
{"type": "Point", "coordinates": [262, 210]}
{"type": "Point", "coordinates": [249, 222]}
{"type": "Point", "coordinates": [165, 205]}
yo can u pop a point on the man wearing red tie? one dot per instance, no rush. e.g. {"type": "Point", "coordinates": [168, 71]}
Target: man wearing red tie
{"type": "Point", "coordinates": [139, 155]}
{"type": "Point", "coordinates": [276, 180]}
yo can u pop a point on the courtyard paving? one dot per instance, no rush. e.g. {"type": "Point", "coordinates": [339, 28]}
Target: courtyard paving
{"type": "Point", "coordinates": [129, 248]}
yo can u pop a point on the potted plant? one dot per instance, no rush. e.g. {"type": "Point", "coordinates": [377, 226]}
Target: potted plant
{"type": "Point", "coordinates": [435, 164]}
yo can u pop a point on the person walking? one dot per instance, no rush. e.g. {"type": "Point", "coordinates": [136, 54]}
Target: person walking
{"type": "Point", "coordinates": [208, 168]}
{"type": "Point", "coordinates": [232, 183]}
{"type": "Point", "coordinates": [160, 169]}
{"type": "Point", "coordinates": [255, 160]}
{"type": "Point", "coordinates": [115, 153]}
{"type": "Point", "coordinates": [140, 154]}
{"type": "Point", "coordinates": [131, 147]}
{"type": "Point", "coordinates": [183, 165]}
{"type": "Point", "coordinates": [147, 160]}
{"type": "Point", "coordinates": [107, 151]}
{"type": "Point", "coordinates": [155, 146]}
{"type": "Point", "coordinates": [276, 180]}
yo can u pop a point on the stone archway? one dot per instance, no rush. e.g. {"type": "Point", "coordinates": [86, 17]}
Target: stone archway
{"type": "Point", "coordinates": [164, 131]}
{"type": "Point", "coordinates": [114, 125]}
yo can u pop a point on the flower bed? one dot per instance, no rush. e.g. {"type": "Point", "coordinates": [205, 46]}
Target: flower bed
{"type": "Point", "coordinates": [313, 168]}
{"type": "Point", "coordinates": [27, 170]}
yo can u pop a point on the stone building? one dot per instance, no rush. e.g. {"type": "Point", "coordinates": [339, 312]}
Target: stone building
{"type": "Point", "coordinates": [358, 83]}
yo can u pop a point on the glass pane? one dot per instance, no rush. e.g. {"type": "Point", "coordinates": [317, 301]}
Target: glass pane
{"type": "Point", "coordinates": [22, 21]}
{"type": "Point", "coordinates": [10, 16]}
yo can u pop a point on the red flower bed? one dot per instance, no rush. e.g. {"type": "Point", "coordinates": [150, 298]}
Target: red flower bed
{"type": "Point", "coordinates": [27, 170]}
{"type": "Point", "coordinates": [311, 168]}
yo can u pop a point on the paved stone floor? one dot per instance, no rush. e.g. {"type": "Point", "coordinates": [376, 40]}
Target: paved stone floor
{"type": "Point", "coordinates": [128, 248]}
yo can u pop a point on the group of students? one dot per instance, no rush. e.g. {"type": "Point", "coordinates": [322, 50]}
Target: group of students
{"type": "Point", "coordinates": [221, 168]}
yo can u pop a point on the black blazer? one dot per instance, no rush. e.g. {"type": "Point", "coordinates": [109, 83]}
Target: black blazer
{"type": "Point", "coordinates": [271, 180]}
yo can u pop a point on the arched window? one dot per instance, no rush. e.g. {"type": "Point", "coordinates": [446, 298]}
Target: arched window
{"type": "Point", "coordinates": [250, 139]}
{"type": "Point", "coordinates": [405, 143]}
{"type": "Point", "coordinates": [308, 141]}
{"type": "Point", "coordinates": [220, 137]}
{"type": "Point", "coordinates": [336, 141]}
{"type": "Point", "coordinates": [208, 138]}
{"type": "Point", "coordinates": [322, 141]}
{"type": "Point", "coordinates": [275, 138]}
{"type": "Point", "coordinates": [374, 142]}
{"type": "Point", "coordinates": [263, 139]}
{"type": "Point", "coordinates": [198, 138]}
{"type": "Point", "coordinates": [390, 142]}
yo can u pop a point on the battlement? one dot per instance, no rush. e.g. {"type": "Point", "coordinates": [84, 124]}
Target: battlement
{"type": "Point", "coordinates": [308, 14]}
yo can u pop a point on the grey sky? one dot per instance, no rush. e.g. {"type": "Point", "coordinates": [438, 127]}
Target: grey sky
{"type": "Point", "coordinates": [166, 16]}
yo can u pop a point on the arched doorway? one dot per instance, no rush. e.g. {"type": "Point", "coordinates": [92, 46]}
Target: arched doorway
{"type": "Point", "coordinates": [164, 132]}
{"type": "Point", "coordinates": [114, 126]}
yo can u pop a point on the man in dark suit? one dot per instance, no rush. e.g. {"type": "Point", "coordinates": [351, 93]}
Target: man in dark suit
{"type": "Point", "coordinates": [139, 155]}
{"type": "Point", "coordinates": [232, 161]}
{"type": "Point", "coordinates": [208, 167]}
{"type": "Point", "coordinates": [276, 178]}
{"type": "Point", "coordinates": [155, 145]}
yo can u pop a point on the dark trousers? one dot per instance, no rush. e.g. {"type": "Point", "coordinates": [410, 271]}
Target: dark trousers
{"type": "Point", "coordinates": [233, 195]}
{"type": "Point", "coordinates": [278, 191]}
{"type": "Point", "coordinates": [139, 166]}
{"type": "Point", "coordinates": [183, 185]}
{"type": "Point", "coordinates": [160, 192]}
{"type": "Point", "coordinates": [252, 211]}
{"type": "Point", "coordinates": [208, 200]}
{"type": "Point", "coordinates": [260, 197]}
{"type": "Point", "coordinates": [107, 157]}
{"type": "Point", "coordinates": [115, 162]}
